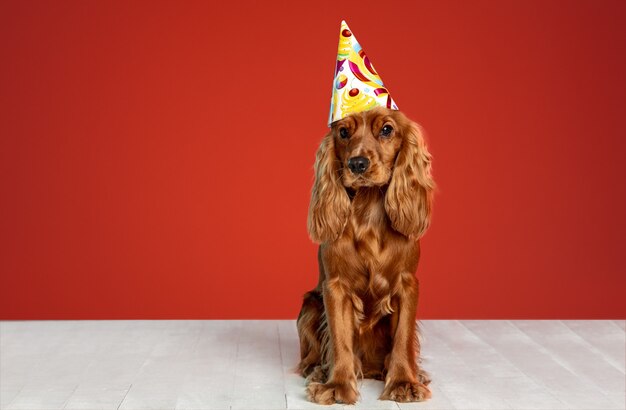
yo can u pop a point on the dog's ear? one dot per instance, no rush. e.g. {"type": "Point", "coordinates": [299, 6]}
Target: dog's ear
{"type": "Point", "coordinates": [409, 197]}
{"type": "Point", "coordinates": [330, 205]}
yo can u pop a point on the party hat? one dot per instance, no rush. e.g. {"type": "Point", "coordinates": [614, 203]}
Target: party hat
{"type": "Point", "coordinates": [357, 86]}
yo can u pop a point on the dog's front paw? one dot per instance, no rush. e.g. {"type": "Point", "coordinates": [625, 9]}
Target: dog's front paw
{"type": "Point", "coordinates": [405, 392]}
{"type": "Point", "coordinates": [330, 393]}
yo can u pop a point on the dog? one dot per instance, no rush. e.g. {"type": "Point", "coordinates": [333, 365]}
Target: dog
{"type": "Point", "coordinates": [371, 202]}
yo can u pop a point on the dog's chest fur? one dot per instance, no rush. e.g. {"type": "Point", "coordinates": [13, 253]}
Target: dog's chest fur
{"type": "Point", "coordinates": [378, 248]}
{"type": "Point", "coordinates": [368, 224]}
{"type": "Point", "coordinates": [376, 254]}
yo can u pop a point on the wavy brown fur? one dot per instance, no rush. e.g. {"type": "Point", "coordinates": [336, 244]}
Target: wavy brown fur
{"type": "Point", "coordinates": [360, 319]}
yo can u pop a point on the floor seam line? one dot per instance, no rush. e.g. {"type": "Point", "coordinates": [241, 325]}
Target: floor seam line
{"type": "Point", "coordinates": [124, 398]}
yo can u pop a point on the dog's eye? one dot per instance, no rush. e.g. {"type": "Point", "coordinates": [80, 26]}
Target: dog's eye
{"type": "Point", "coordinates": [386, 131]}
{"type": "Point", "coordinates": [343, 133]}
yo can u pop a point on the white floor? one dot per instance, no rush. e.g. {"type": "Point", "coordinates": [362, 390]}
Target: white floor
{"type": "Point", "coordinates": [248, 365]}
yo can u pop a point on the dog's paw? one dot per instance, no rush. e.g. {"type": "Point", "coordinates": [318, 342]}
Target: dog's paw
{"type": "Point", "coordinates": [331, 393]}
{"type": "Point", "coordinates": [406, 392]}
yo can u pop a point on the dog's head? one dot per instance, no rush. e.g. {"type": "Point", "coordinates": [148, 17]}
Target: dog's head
{"type": "Point", "coordinates": [367, 144]}
{"type": "Point", "coordinates": [376, 148]}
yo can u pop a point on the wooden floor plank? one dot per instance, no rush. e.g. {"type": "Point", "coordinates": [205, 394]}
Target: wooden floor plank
{"type": "Point", "coordinates": [500, 383]}
{"type": "Point", "coordinates": [25, 345]}
{"type": "Point", "coordinates": [210, 375]}
{"type": "Point", "coordinates": [54, 356]}
{"type": "Point", "coordinates": [158, 381]}
{"type": "Point", "coordinates": [85, 398]}
{"type": "Point", "coordinates": [604, 336]}
{"type": "Point", "coordinates": [576, 355]}
{"type": "Point", "coordinates": [7, 395]}
{"type": "Point", "coordinates": [42, 398]}
{"type": "Point", "coordinates": [460, 382]}
{"type": "Point", "coordinates": [538, 364]}
{"type": "Point", "coordinates": [258, 369]}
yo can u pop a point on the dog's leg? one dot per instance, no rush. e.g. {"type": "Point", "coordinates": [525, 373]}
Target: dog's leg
{"type": "Point", "coordinates": [309, 322]}
{"type": "Point", "coordinates": [341, 386]}
{"type": "Point", "coordinates": [402, 382]}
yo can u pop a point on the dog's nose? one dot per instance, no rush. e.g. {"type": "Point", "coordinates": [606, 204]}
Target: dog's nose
{"type": "Point", "coordinates": [358, 165]}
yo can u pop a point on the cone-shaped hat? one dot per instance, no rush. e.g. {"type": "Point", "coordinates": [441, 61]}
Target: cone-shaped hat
{"type": "Point", "coordinates": [357, 86]}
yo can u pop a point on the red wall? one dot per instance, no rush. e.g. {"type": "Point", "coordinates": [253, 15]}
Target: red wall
{"type": "Point", "coordinates": [156, 157]}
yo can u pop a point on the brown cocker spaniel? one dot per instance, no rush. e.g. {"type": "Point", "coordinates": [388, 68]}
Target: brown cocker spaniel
{"type": "Point", "coordinates": [370, 204]}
